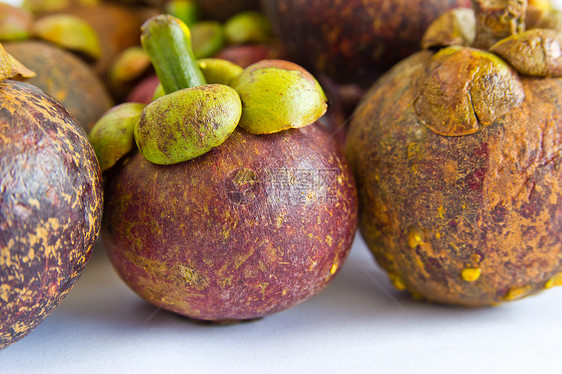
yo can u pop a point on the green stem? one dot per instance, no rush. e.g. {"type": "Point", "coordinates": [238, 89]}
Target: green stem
{"type": "Point", "coordinates": [167, 41]}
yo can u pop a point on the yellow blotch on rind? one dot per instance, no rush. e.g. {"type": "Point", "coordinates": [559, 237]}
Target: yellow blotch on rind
{"type": "Point", "coordinates": [415, 237]}
{"type": "Point", "coordinates": [517, 293]}
{"type": "Point", "coordinates": [471, 274]}
{"type": "Point", "coordinates": [555, 280]}
{"type": "Point", "coordinates": [397, 281]}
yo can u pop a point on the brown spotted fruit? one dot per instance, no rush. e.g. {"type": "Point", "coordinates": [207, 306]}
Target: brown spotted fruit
{"type": "Point", "coordinates": [66, 78]}
{"type": "Point", "coordinates": [254, 226]}
{"type": "Point", "coordinates": [116, 25]}
{"type": "Point", "coordinates": [50, 204]}
{"type": "Point", "coordinates": [457, 157]}
{"type": "Point", "coordinates": [59, 72]}
{"type": "Point", "coordinates": [353, 41]}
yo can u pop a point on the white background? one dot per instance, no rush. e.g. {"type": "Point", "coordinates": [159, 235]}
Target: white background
{"type": "Point", "coordinates": [359, 324]}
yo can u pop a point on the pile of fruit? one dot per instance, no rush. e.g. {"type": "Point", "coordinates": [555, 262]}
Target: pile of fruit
{"type": "Point", "coordinates": [227, 181]}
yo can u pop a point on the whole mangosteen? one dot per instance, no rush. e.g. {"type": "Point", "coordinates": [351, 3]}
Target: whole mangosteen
{"type": "Point", "coordinates": [245, 227]}
{"type": "Point", "coordinates": [457, 157]}
{"type": "Point", "coordinates": [50, 204]}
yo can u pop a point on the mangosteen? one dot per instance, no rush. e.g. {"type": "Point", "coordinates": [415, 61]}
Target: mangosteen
{"type": "Point", "coordinates": [457, 157]}
{"type": "Point", "coordinates": [129, 69]}
{"type": "Point", "coordinates": [250, 227]}
{"type": "Point", "coordinates": [116, 25]}
{"type": "Point", "coordinates": [143, 92]}
{"type": "Point", "coordinates": [353, 41]}
{"type": "Point", "coordinates": [221, 10]}
{"type": "Point", "coordinates": [65, 77]}
{"type": "Point", "coordinates": [50, 204]}
{"type": "Point", "coordinates": [248, 54]}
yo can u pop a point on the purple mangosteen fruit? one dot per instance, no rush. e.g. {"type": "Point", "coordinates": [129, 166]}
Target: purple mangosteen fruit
{"type": "Point", "coordinates": [50, 204]}
{"type": "Point", "coordinates": [246, 208]}
{"type": "Point", "coordinates": [353, 41]}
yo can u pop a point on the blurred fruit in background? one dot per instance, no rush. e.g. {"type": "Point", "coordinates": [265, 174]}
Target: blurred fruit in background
{"type": "Point", "coordinates": [353, 41]}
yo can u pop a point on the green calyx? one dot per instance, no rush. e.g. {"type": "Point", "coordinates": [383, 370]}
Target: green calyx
{"type": "Point", "coordinates": [192, 117]}
{"type": "Point", "coordinates": [69, 32]}
{"type": "Point", "coordinates": [131, 64]}
{"type": "Point", "coordinates": [53, 6]}
{"type": "Point", "coordinates": [187, 123]}
{"type": "Point", "coordinates": [208, 38]}
{"type": "Point", "coordinates": [278, 95]}
{"type": "Point", "coordinates": [112, 136]}
{"type": "Point", "coordinates": [15, 23]}
{"type": "Point", "coordinates": [217, 70]}
{"type": "Point", "coordinates": [248, 27]}
{"type": "Point", "coordinates": [186, 10]}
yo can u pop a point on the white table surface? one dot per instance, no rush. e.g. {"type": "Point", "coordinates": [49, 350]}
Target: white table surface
{"type": "Point", "coordinates": [358, 324]}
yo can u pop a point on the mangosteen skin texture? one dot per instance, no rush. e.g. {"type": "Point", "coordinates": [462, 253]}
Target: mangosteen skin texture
{"type": "Point", "coordinates": [255, 226]}
{"type": "Point", "coordinates": [50, 206]}
{"type": "Point", "coordinates": [471, 220]}
{"type": "Point", "coordinates": [353, 41]}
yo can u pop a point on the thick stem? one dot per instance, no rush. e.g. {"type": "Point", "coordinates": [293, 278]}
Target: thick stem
{"type": "Point", "coordinates": [167, 41]}
{"type": "Point", "coordinates": [497, 19]}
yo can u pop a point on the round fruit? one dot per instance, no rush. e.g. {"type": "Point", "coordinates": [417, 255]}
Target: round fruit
{"type": "Point", "coordinates": [255, 226]}
{"type": "Point", "coordinates": [223, 9]}
{"type": "Point", "coordinates": [457, 157]}
{"type": "Point", "coordinates": [353, 41]}
{"type": "Point", "coordinates": [234, 226]}
{"type": "Point", "coordinates": [248, 54]}
{"type": "Point", "coordinates": [117, 26]}
{"type": "Point", "coordinates": [50, 204]}
{"type": "Point", "coordinates": [64, 77]}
